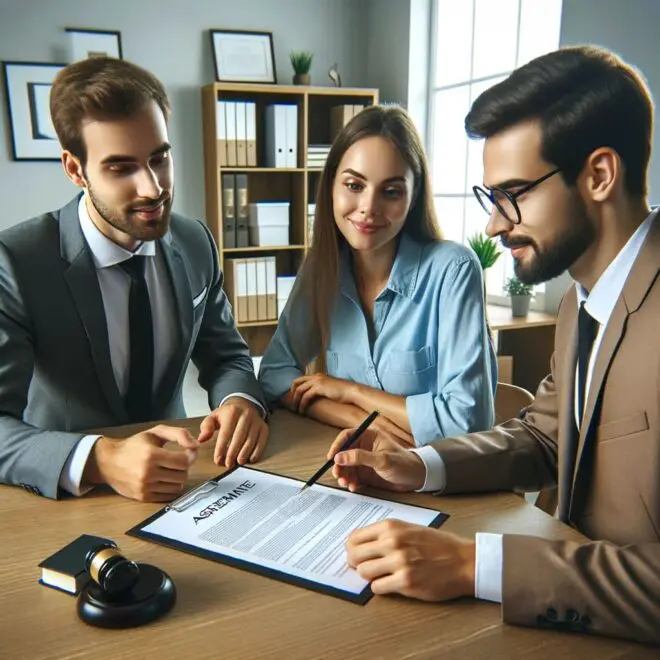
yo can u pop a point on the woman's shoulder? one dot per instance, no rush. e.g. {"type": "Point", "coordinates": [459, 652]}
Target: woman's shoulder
{"type": "Point", "coordinates": [445, 255]}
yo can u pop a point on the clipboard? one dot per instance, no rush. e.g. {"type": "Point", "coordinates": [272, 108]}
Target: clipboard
{"type": "Point", "coordinates": [203, 490]}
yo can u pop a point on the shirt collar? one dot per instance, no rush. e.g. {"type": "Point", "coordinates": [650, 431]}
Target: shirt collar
{"type": "Point", "coordinates": [403, 276]}
{"type": "Point", "coordinates": [105, 252]}
{"type": "Point", "coordinates": [600, 301]}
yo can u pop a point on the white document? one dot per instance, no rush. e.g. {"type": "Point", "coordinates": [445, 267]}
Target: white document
{"type": "Point", "coordinates": [260, 520]}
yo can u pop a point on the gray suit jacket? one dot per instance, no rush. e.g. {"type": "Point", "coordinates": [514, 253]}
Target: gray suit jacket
{"type": "Point", "coordinates": [56, 376]}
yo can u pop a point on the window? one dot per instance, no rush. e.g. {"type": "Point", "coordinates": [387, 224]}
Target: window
{"type": "Point", "coordinates": [476, 44]}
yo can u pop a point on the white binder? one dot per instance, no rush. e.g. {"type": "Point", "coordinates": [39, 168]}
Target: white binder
{"type": "Point", "coordinates": [230, 109]}
{"type": "Point", "coordinates": [275, 135]}
{"type": "Point", "coordinates": [291, 135]}
{"type": "Point", "coordinates": [241, 135]}
{"type": "Point", "coordinates": [221, 131]}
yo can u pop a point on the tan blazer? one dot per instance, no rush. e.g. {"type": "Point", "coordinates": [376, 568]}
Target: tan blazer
{"type": "Point", "coordinates": [608, 474]}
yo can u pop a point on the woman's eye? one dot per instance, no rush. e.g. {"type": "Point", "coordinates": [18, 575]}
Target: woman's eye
{"type": "Point", "coordinates": [354, 187]}
{"type": "Point", "coordinates": [393, 193]}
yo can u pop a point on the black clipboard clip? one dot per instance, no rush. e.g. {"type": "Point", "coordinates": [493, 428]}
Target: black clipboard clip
{"type": "Point", "coordinates": [188, 499]}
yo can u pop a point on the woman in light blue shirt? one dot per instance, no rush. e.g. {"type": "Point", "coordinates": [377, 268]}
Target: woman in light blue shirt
{"type": "Point", "coordinates": [384, 314]}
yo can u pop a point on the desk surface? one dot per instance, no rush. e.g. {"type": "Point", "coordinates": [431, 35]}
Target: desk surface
{"type": "Point", "coordinates": [500, 318]}
{"type": "Point", "coordinates": [222, 612]}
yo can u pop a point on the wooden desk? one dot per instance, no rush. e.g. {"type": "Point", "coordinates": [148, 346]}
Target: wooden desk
{"type": "Point", "coordinates": [224, 612]}
{"type": "Point", "coordinates": [529, 341]}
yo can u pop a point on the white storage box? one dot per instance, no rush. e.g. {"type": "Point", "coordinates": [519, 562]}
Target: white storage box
{"type": "Point", "coordinates": [269, 224]}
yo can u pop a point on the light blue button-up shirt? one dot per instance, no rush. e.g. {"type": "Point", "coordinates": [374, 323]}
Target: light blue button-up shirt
{"type": "Point", "coordinates": [429, 342]}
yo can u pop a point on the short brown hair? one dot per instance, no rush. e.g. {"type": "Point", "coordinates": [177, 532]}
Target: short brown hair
{"type": "Point", "coordinates": [101, 88]}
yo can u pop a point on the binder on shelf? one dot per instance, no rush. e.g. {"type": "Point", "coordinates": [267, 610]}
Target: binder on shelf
{"type": "Point", "coordinates": [340, 115]}
{"type": "Point", "coordinates": [271, 287]}
{"type": "Point", "coordinates": [228, 211]}
{"type": "Point", "coordinates": [291, 113]}
{"type": "Point", "coordinates": [235, 273]}
{"type": "Point", "coordinates": [357, 108]}
{"type": "Point", "coordinates": [242, 211]}
{"type": "Point", "coordinates": [253, 312]}
{"type": "Point", "coordinates": [262, 294]}
{"type": "Point", "coordinates": [275, 135]}
{"type": "Point", "coordinates": [230, 115]}
{"type": "Point", "coordinates": [221, 131]}
{"type": "Point", "coordinates": [241, 135]}
{"type": "Point", "coordinates": [251, 133]}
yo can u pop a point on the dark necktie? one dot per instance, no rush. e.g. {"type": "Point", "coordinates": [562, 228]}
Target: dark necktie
{"type": "Point", "coordinates": [139, 395]}
{"type": "Point", "coordinates": [587, 328]}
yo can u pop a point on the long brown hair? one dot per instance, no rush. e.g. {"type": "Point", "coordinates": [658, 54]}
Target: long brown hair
{"type": "Point", "coordinates": [318, 282]}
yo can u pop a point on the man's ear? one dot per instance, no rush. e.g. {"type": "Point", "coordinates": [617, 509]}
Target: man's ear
{"type": "Point", "coordinates": [601, 175]}
{"type": "Point", "coordinates": [74, 169]}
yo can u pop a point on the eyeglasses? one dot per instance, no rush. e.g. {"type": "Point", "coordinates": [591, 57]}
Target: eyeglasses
{"type": "Point", "coordinates": [505, 201]}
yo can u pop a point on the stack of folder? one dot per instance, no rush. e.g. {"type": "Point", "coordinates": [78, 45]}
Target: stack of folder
{"type": "Point", "coordinates": [236, 132]}
{"type": "Point", "coordinates": [281, 135]}
{"type": "Point", "coordinates": [251, 286]}
{"type": "Point", "coordinates": [317, 154]}
{"type": "Point", "coordinates": [235, 211]}
{"type": "Point", "coordinates": [340, 115]}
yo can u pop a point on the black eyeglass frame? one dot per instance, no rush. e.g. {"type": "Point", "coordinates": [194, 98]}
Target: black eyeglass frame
{"type": "Point", "coordinates": [488, 193]}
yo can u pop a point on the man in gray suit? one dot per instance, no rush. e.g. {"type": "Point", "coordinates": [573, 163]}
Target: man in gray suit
{"type": "Point", "coordinates": [104, 302]}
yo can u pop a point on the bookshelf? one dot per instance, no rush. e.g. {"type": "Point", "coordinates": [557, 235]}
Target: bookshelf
{"type": "Point", "coordinates": [296, 185]}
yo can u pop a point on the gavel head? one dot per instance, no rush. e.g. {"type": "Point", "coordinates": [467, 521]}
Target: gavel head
{"type": "Point", "coordinates": [110, 569]}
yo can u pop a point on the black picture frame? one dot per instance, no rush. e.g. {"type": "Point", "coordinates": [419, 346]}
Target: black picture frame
{"type": "Point", "coordinates": [89, 42]}
{"type": "Point", "coordinates": [230, 67]}
{"type": "Point", "coordinates": [27, 89]}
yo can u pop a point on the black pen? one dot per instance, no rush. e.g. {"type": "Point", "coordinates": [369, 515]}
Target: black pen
{"type": "Point", "coordinates": [348, 442]}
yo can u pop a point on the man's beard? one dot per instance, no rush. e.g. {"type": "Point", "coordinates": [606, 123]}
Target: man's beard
{"type": "Point", "coordinates": [128, 223]}
{"type": "Point", "coordinates": [554, 260]}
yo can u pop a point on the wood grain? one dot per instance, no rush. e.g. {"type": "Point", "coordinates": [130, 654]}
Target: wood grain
{"type": "Point", "coordinates": [222, 612]}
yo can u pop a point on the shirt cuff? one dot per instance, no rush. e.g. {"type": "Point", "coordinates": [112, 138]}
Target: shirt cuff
{"type": "Point", "coordinates": [72, 472]}
{"type": "Point", "coordinates": [249, 398]}
{"type": "Point", "coordinates": [488, 569]}
{"type": "Point", "coordinates": [436, 473]}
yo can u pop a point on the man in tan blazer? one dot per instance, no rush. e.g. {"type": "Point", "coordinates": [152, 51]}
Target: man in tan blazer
{"type": "Point", "coordinates": [567, 147]}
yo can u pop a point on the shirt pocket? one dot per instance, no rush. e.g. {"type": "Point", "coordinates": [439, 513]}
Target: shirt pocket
{"type": "Point", "coordinates": [406, 373]}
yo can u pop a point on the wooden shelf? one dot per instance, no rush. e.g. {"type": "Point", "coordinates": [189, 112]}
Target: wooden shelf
{"type": "Point", "coordinates": [294, 185]}
{"type": "Point", "coordinates": [257, 324]}
{"type": "Point", "coordinates": [265, 248]}
{"type": "Point", "coordinates": [267, 170]}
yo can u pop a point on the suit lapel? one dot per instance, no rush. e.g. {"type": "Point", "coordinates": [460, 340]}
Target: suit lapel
{"type": "Point", "coordinates": [182, 297]}
{"type": "Point", "coordinates": [638, 283]}
{"type": "Point", "coordinates": [83, 285]}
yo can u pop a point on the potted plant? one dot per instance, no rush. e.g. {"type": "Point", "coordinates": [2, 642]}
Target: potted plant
{"type": "Point", "coordinates": [485, 249]}
{"type": "Point", "coordinates": [520, 295]}
{"type": "Point", "coordinates": [301, 62]}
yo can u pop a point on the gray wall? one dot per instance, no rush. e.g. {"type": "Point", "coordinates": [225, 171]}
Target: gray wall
{"type": "Point", "coordinates": [171, 39]}
{"type": "Point", "coordinates": [630, 29]}
{"type": "Point", "coordinates": [388, 48]}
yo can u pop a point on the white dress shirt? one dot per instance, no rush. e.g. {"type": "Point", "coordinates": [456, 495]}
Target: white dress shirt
{"type": "Point", "coordinates": [115, 286]}
{"type": "Point", "coordinates": [599, 303]}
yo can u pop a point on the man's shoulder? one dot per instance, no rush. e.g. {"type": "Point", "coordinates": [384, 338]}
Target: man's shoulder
{"type": "Point", "coordinates": [189, 234]}
{"type": "Point", "coordinates": [34, 234]}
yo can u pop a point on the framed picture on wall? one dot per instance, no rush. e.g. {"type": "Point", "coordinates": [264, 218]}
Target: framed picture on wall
{"type": "Point", "coordinates": [242, 56]}
{"type": "Point", "coordinates": [86, 43]}
{"type": "Point", "coordinates": [27, 95]}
